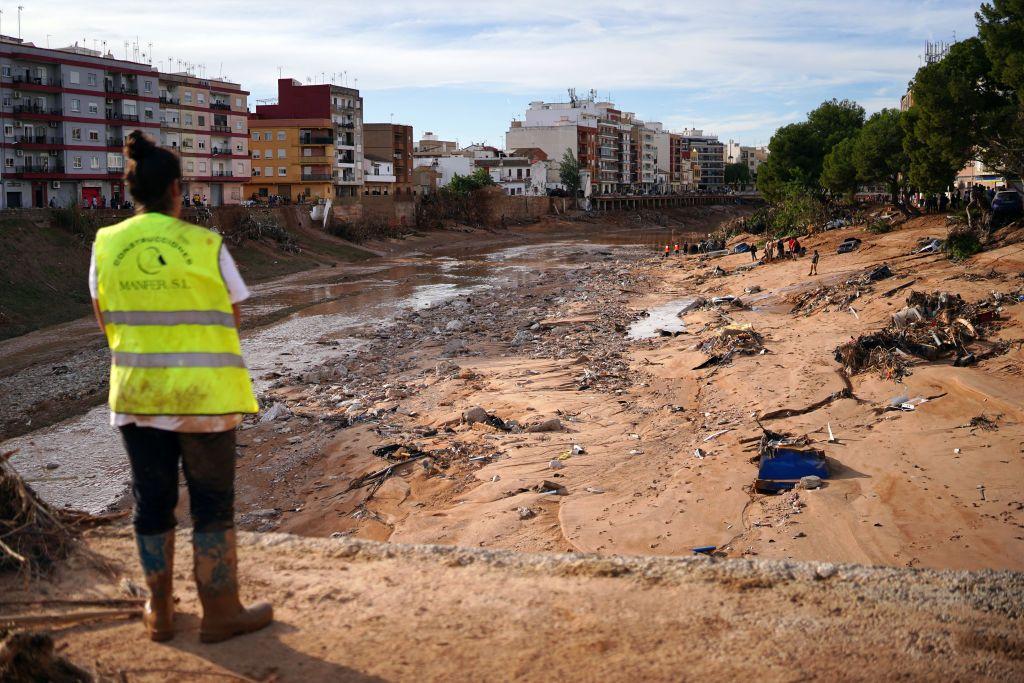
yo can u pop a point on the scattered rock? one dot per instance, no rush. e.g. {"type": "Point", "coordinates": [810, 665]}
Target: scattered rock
{"type": "Point", "coordinates": [556, 465]}
{"type": "Point", "coordinates": [812, 481]}
{"type": "Point", "coordinates": [551, 425]}
{"type": "Point", "coordinates": [526, 513]}
{"type": "Point", "coordinates": [455, 347]}
{"type": "Point", "coordinates": [51, 465]}
{"type": "Point", "coordinates": [278, 411]}
{"type": "Point", "coordinates": [474, 415]}
{"type": "Point", "coordinates": [825, 570]}
{"type": "Point", "coordinates": [454, 325]}
{"type": "Point", "coordinates": [446, 368]}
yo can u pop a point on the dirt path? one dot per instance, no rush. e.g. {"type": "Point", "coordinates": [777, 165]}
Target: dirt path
{"type": "Point", "coordinates": [361, 611]}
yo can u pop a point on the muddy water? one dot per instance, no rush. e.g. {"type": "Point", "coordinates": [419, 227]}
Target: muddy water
{"type": "Point", "coordinates": [80, 462]}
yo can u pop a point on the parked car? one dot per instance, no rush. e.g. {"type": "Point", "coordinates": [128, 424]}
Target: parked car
{"type": "Point", "coordinates": [848, 245]}
{"type": "Point", "coordinates": [1007, 203]}
{"type": "Point", "coordinates": [741, 248]}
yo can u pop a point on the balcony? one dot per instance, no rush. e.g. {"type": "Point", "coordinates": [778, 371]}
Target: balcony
{"type": "Point", "coordinates": [321, 160]}
{"type": "Point", "coordinates": [316, 140]}
{"type": "Point", "coordinates": [38, 140]}
{"type": "Point", "coordinates": [115, 142]}
{"type": "Point", "coordinates": [223, 106]}
{"type": "Point", "coordinates": [123, 88]}
{"type": "Point", "coordinates": [217, 128]}
{"type": "Point", "coordinates": [223, 174]}
{"type": "Point", "coordinates": [112, 115]}
{"type": "Point", "coordinates": [221, 151]}
{"type": "Point", "coordinates": [30, 82]}
{"type": "Point", "coordinates": [310, 177]}
{"type": "Point", "coordinates": [167, 99]}
{"type": "Point", "coordinates": [33, 110]}
{"type": "Point", "coordinates": [34, 169]}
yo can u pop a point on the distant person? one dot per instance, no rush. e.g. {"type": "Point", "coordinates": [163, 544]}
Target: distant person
{"type": "Point", "coordinates": [676, 252]}
{"type": "Point", "coordinates": [780, 248]}
{"type": "Point", "coordinates": [178, 388]}
{"type": "Point", "coordinates": [814, 263]}
{"type": "Point", "coordinates": [666, 251]}
{"type": "Point", "coordinates": [753, 252]}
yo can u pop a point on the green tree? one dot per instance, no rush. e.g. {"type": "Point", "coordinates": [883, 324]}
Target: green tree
{"type": "Point", "coordinates": [838, 172]}
{"type": "Point", "coordinates": [569, 173]}
{"type": "Point", "coordinates": [464, 184]}
{"type": "Point", "coordinates": [1001, 29]}
{"type": "Point", "coordinates": [878, 153]}
{"type": "Point", "coordinates": [797, 151]}
{"type": "Point", "coordinates": [737, 174]}
{"type": "Point", "coordinates": [961, 112]}
{"type": "Point", "coordinates": [834, 121]}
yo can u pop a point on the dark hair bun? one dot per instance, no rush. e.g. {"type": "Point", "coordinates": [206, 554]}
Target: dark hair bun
{"type": "Point", "coordinates": [138, 146]}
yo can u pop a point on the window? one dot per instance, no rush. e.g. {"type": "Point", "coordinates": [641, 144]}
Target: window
{"type": "Point", "coordinates": [202, 120]}
{"type": "Point", "coordinates": [188, 119]}
{"type": "Point", "coordinates": [149, 112]}
{"type": "Point", "coordinates": [256, 135]}
{"type": "Point", "coordinates": [76, 105]}
{"type": "Point", "coordinates": [94, 162]}
{"type": "Point", "coordinates": [74, 78]}
{"type": "Point", "coordinates": [255, 152]}
{"type": "Point", "coordinates": [238, 124]}
{"type": "Point", "coordinates": [76, 134]}
{"type": "Point", "coordinates": [9, 162]}
{"type": "Point", "coordinates": [7, 72]}
{"type": "Point", "coordinates": [280, 135]}
{"type": "Point", "coordinates": [76, 162]}
{"type": "Point", "coordinates": [255, 171]}
{"type": "Point", "coordinates": [281, 153]}
{"type": "Point", "coordinates": [268, 170]}
{"type": "Point", "coordinates": [7, 101]}
{"type": "Point", "coordinates": [147, 86]}
{"type": "Point", "coordinates": [115, 161]}
{"type": "Point", "coordinates": [190, 166]}
{"type": "Point", "coordinates": [202, 167]}
{"type": "Point", "coordinates": [94, 108]}
{"type": "Point", "coordinates": [239, 168]}
{"type": "Point", "coordinates": [238, 102]}
{"type": "Point", "coordinates": [236, 193]}
{"type": "Point", "coordinates": [130, 108]}
{"type": "Point", "coordinates": [282, 170]}
{"type": "Point", "coordinates": [201, 143]}
{"type": "Point", "coordinates": [94, 135]}
{"type": "Point", "coordinates": [188, 97]}
{"type": "Point", "coordinates": [201, 98]}
{"type": "Point", "coordinates": [8, 130]}
{"type": "Point", "coordinates": [91, 79]}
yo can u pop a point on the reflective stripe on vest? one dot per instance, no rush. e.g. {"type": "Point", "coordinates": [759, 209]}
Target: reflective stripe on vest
{"type": "Point", "coordinates": [169, 320]}
{"type": "Point", "coordinates": [177, 360]}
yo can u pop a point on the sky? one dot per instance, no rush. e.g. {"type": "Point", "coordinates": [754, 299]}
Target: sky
{"type": "Point", "coordinates": [464, 70]}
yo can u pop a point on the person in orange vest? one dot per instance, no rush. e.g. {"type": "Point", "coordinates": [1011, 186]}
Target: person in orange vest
{"type": "Point", "coordinates": [677, 250]}
{"type": "Point", "coordinates": [166, 296]}
{"type": "Point", "coordinates": [666, 251]}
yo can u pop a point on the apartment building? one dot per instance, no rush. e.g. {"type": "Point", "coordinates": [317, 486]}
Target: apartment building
{"type": "Point", "coordinates": [444, 166]}
{"type": "Point", "coordinates": [751, 157]}
{"type": "Point", "coordinates": [380, 177]}
{"type": "Point", "coordinates": [617, 152]}
{"type": "Point", "coordinates": [517, 175]}
{"type": "Point", "coordinates": [319, 110]}
{"type": "Point", "coordinates": [394, 142]}
{"type": "Point", "coordinates": [710, 157]}
{"type": "Point", "coordinates": [677, 164]}
{"type": "Point", "coordinates": [291, 158]}
{"type": "Point", "coordinates": [430, 145]}
{"type": "Point", "coordinates": [65, 113]}
{"type": "Point", "coordinates": [206, 121]}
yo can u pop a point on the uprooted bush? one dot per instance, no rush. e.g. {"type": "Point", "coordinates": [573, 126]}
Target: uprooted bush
{"type": "Point", "coordinates": [962, 243]}
{"type": "Point", "coordinates": [32, 534]}
{"type": "Point", "coordinates": [238, 224]}
{"type": "Point", "coordinates": [880, 226]}
{"type": "Point", "coordinates": [365, 228]}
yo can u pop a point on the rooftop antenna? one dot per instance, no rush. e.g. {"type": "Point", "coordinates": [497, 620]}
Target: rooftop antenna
{"type": "Point", "coordinates": [279, 70]}
{"type": "Point", "coordinates": [20, 7]}
{"type": "Point", "coordinates": [344, 78]}
{"type": "Point", "coordinates": [48, 36]}
{"type": "Point", "coordinates": [149, 47]}
{"type": "Point", "coordinates": [1, 21]}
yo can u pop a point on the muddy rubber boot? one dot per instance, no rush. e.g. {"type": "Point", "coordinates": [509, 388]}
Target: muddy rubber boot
{"type": "Point", "coordinates": [156, 553]}
{"type": "Point", "coordinates": [216, 569]}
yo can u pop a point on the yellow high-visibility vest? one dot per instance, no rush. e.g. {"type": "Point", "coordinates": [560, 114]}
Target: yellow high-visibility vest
{"type": "Point", "coordinates": [169, 323]}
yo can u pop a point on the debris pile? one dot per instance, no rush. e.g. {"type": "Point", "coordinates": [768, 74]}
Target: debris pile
{"type": "Point", "coordinates": [733, 339]}
{"type": "Point", "coordinates": [839, 297]}
{"type": "Point", "coordinates": [931, 327]}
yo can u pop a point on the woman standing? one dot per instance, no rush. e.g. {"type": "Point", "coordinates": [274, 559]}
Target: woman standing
{"type": "Point", "coordinates": [165, 294]}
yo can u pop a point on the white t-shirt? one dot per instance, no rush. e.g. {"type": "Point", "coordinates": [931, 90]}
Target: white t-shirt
{"type": "Point", "coordinates": [237, 292]}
